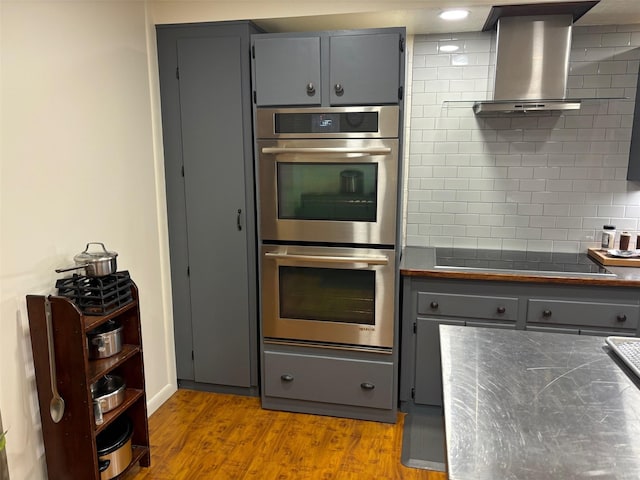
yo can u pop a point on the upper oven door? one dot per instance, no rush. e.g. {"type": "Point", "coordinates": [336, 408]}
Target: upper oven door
{"type": "Point", "coordinates": [329, 190]}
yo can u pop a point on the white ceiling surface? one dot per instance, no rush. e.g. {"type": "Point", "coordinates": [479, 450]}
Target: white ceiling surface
{"type": "Point", "coordinates": [421, 17]}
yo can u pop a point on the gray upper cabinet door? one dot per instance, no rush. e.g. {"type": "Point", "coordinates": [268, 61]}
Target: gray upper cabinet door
{"type": "Point", "coordinates": [214, 175]}
{"type": "Point", "coordinates": [364, 69]}
{"type": "Point", "coordinates": [287, 71]}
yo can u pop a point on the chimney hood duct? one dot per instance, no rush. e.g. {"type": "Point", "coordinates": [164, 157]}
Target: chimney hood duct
{"type": "Point", "coordinates": [532, 61]}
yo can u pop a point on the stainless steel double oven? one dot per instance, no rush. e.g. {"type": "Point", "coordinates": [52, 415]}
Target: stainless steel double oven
{"type": "Point", "coordinates": [328, 183]}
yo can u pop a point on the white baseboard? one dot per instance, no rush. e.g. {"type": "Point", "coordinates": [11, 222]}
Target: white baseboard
{"type": "Point", "coordinates": [162, 396]}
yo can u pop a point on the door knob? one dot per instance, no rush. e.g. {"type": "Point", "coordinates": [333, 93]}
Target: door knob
{"type": "Point", "coordinates": [311, 89]}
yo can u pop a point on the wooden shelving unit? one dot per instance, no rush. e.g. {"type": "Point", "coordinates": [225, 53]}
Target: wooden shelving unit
{"type": "Point", "coordinates": [70, 445]}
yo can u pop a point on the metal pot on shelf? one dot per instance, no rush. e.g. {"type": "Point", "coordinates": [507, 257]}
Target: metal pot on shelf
{"type": "Point", "coordinates": [107, 393]}
{"type": "Point", "coordinates": [105, 340]}
{"type": "Point", "coordinates": [97, 263]}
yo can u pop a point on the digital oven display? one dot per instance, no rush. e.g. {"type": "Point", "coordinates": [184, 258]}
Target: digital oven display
{"type": "Point", "coordinates": [325, 122]}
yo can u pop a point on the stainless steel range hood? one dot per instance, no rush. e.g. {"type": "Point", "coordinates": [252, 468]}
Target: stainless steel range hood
{"type": "Point", "coordinates": [532, 57]}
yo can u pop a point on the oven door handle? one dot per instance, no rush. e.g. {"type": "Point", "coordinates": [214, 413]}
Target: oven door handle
{"type": "Point", "coordinates": [311, 150]}
{"type": "Point", "coordinates": [369, 260]}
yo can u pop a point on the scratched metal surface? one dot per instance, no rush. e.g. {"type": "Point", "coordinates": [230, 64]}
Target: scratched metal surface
{"type": "Point", "coordinates": [530, 405]}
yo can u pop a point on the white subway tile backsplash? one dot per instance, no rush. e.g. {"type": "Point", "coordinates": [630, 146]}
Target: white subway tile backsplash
{"type": "Point", "coordinates": [596, 81]}
{"type": "Point", "coordinates": [480, 208]}
{"type": "Point", "coordinates": [559, 185]}
{"type": "Point", "coordinates": [503, 232]}
{"type": "Point", "coordinates": [611, 211]}
{"type": "Point", "coordinates": [516, 221]}
{"type": "Point", "coordinates": [558, 210]}
{"type": "Point", "coordinates": [610, 67]}
{"type": "Point", "coordinates": [616, 39]}
{"type": "Point", "coordinates": [532, 185]}
{"type": "Point", "coordinates": [554, 234]}
{"type": "Point", "coordinates": [544, 181]}
{"type": "Point", "coordinates": [444, 195]}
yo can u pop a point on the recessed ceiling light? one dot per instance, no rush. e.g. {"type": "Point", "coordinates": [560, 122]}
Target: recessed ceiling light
{"type": "Point", "coordinates": [454, 14]}
{"type": "Point", "coordinates": [449, 48]}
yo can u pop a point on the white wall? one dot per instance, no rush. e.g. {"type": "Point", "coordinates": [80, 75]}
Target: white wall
{"type": "Point", "coordinates": [77, 165]}
{"type": "Point", "coordinates": [538, 181]}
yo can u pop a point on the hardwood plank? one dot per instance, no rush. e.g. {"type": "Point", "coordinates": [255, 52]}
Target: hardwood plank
{"type": "Point", "coordinates": [202, 435]}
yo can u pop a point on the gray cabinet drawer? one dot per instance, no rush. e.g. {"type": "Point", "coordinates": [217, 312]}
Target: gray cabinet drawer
{"type": "Point", "coordinates": [468, 306]}
{"type": "Point", "coordinates": [589, 314]}
{"type": "Point", "coordinates": [330, 380]}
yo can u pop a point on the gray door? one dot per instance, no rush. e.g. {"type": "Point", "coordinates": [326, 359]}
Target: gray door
{"type": "Point", "coordinates": [284, 70]}
{"type": "Point", "coordinates": [213, 154]}
{"type": "Point", "coordinates": [366, 68]}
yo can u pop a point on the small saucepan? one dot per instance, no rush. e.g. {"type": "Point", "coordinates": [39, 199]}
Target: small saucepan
{"type": "Point", "coordinates": [108, 392]}
{"type": "Point", "coordinates": [95, 263]}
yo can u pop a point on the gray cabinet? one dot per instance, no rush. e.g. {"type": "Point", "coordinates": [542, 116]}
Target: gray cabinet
{"type": "Point", "coordinates": [329, 68]}
{"type": "Point", "coordinates": [206, 118]}
{"type": "Point", "coordinates": [338, 382]}
{"type": "Point", "coordinates": [346, 381]}
{"type": "Point", "coordinates": [582, 313]}
{"type": "Point", "coordinates": [428, 303]}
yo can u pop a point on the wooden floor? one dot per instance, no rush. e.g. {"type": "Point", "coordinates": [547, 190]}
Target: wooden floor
{"type": "Point", "coordinates": [198, 435]}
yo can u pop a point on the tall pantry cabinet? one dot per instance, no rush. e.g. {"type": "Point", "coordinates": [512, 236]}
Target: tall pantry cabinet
{"type": "Point", "coordinates": [207, 132]}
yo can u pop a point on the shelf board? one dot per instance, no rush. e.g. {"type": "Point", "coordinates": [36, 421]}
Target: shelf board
{"type": "Point", "coordinates": [98, 368]}
{"type": "Point", "coordinates": [130, 397]}
{"type": "Point", "coordinates": [94, 321]}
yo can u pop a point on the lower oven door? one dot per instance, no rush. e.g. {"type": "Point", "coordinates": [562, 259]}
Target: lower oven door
{"type": "Point", "coordinates": [328, 295]}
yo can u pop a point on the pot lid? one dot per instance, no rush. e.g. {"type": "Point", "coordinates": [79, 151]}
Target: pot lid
{"type": "Point", "coordinates": [107, 327]}
{"type": "Point", "coordinates": [94, 256]}
{"type": "Point", "coordinates": [114, 436]}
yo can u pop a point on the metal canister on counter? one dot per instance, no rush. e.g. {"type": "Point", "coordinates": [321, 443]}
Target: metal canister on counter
{"type": "Point", "coordinates": [625, 240]}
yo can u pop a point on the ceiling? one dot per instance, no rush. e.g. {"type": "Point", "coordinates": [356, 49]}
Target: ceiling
{"type": "Point", "coordinates": [421, 17]}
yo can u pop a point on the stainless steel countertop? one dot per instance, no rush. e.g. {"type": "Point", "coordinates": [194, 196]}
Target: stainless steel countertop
{"type": "Point", "coordinates": [421, 262]}
{"type": "Point", "coordinates": [531, 405]}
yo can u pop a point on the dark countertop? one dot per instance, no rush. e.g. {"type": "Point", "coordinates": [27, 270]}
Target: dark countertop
{"type": "Point", "coordinates": [532, 405]}
{"type": "Point", "coordinates": [421, 262]}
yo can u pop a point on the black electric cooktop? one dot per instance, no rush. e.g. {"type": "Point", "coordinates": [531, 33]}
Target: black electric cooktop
{"type": "Point", "coordinates": [513, 260]}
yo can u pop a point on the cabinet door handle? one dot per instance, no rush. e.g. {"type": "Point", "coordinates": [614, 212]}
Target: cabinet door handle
{"type": "Point", "coordinates": [339, 89]}
{"type": "Point", "coordinates": [621, 317]}
{"type": "Point", "coordinates": [367, 386]}
{"type": "Point", "coordinates": [238, 222]}
{"type": "Point", "coordinates": [501, 310]}
{"type": "Point", "coordinates": [546, 313]}
{"type": "Point", "coordinates": [286, 377]}
{"type": "Point", "coordinates": [434, 305]}
{"type": "Point", "coordinates": [311, 89]}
